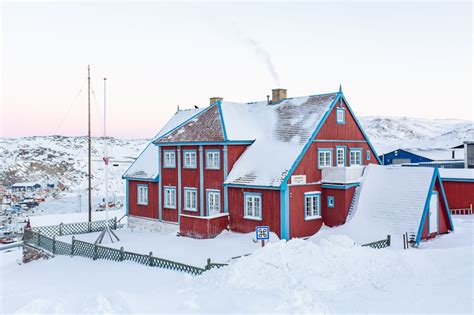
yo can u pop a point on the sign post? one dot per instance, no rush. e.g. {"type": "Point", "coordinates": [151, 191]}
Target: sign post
{"type": "Point", "coordinates": [262, 233]}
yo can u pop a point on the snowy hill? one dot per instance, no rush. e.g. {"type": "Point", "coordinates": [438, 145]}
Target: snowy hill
{"type": "Point", "coordinates": [64, 159]}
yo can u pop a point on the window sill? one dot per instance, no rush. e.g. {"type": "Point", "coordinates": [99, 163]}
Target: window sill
{"type": "Point", "coordinates": [213, 168]}
{"type": "Point", "coordinates": [313, 218]}
{"type": "Point", "coordinates": [169, 166]}
{"type": "Point", "coordinates": [191, 210]}
{"type": "Point", "coordinates": [253, 218]}
{"type": "Point", "coordinates": [142, 204]}
{"type": "Point", "coordinates": [190, 167]}
{"type": "Point", "coordinates": [171, 208]}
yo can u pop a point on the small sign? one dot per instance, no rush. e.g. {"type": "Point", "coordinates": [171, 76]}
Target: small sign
{"type": "Point", "coordinates": [298, 179]}
{"type": "Point", "coordinates": [262, 232]}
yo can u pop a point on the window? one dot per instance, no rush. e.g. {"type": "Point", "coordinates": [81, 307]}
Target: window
{"type": "Point", "coordinates": [312, 208]}
{"type": "Point", "coordinates": [190, 199]}
{"type": "Point", "coordinates": [169, 159]}
{"type": "Point", "coordinates": [325, 157]}
{"type": "Point", "coordinates": [330, 201]}
{"type": "Point", "coordinates": [356, 157]}
{"type": "Point", "coordinates": [189, 159]}
{"type": "Point", "coordinates": [253, 206]}
{"type": "Point", "coordinates": [341, 156]}
{"type": "Point", "coordinates": [212, 160]}
{"type": "Point", "coordinates": [341, 116]}
{"type": "Point", "coordinates": [142, 195]}
{"type": "Point", "coordinates": [367, 155]}
{"type": "Point", "coordinates": [170, 197]}
{"type": "Point", "coordinates": [213, 202]}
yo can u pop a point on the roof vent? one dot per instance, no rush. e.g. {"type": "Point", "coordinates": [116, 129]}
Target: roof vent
{"type": "Point", "coordinates": [278, 95]}
{"type": "Point", "coordinates": [214, 100]}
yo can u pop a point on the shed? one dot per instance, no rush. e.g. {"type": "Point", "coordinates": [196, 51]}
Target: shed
{"type": "Point", "coordinates": [32, 186]}
{"type": "Point", "coordinates": [459, 187]}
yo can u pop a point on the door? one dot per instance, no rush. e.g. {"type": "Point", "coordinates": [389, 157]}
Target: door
{"type": "Point", "coordinates": [433, 226]}
{"type": "Point", "coordinates": [341, 156]}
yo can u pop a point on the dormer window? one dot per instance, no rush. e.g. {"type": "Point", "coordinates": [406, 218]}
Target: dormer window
{"type": "Point", "coordinates": [341, 116]}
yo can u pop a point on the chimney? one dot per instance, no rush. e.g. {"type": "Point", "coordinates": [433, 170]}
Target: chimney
{"type": "Point", "coordinates": [278, 95]}
{"type": "Point", "coordinates": [213, 100]}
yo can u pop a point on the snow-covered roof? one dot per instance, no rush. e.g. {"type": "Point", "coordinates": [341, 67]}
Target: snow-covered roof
{"type": "Point", "coordinates": [146, 165]}
{"type": "Point", "coordinates": [391, 201]}
{"type": "Point", "coordinates": [439, 154]}
{"type": "Point", "coordinates": [180, 117]}
{"type": "Point", "coordinates": [456, 173]}
{"type": "Point", "coordinates": [279, 131]}
{"type": "Point", "coordinates": [28, 184]}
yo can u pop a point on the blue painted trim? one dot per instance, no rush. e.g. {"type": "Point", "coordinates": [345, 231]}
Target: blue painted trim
{"type": "Point", "coordinates": [361, 129]}
{"type": "Point", "coordinates": [184, 159]}
{"type": "Point", "coordinates": [308, 144]}
{"type": "Point", "coordinates": [284, 213]}
{"type": "Point", "coordinates": [252, 194]}
{"type": "Point", "coordinates": [186, 189]}
{"type": "Point", "coordinates": [344, 187]}
{"type": "Point", "coordinates": [179, 183]}
{"type": "Point", "coordinates": [148, 179]}
{"type": "Point", "coordinates": [312, 194]}
{"type": "Point", "coordinates": [445, 199]}
{"type": "Point", "coordinates": [251, 186]}
{"type": "Point", "coordinates": [467, 180]}
{"type": "Point", "coordinates": [367, 155]}
{"type": "Point", "coordinates": [230, 142]}
{"type": "Point", "coordinates": [160, 204]}
{"type": "Point", "coordinates": [127, 197]}
{"type": "Point", "coordinates": [325, 150]}
{"type": "Point", "coordinates": [213, 151]}
{"type": "Point", "coordinates": [168, 152]}
{"type": "Point", "coordinates": [201, 181]}
{"type": "Point", "coordinates": [165, 188]}
{"type": "Point", "coordinates": [426, 209]}
{"type": "Point", "coordinates": [146, 186]}
{"type": "Point", "coordinates": [343, 122]}
{"type": "Point", "coordinates": [330, 201]}
{"type": "Point", "coordinates": [361, 155]}
{"type": "Point", "coordinates": [221, 115]}
{"type": "Point", "coordinates": [345, 155]}
{"type": "Point", "coordinates": [207, 199]}
{"type": "Point", "coordinates": [182, 124]}
{"type": "Point", "coordinates": [226, 171]}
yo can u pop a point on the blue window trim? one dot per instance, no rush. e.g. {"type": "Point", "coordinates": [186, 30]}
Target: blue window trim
{"type": "Point", "coordinates": [197, 205]}
{"type": "Point", "coordinates": [207, 199]}
{"type": "Point", "coordinates": [165, 188]}
{"type": "Point", "coordinates": [312, 194]}
{"type": "Point", "coordinates": [330, 201]}
{"type": "Point", "coordinates": [325, 150]}
{"type": "Point", "coordinates": [345, 153]}
{"type": "Point", "coordinates": [184, 159]}
{"type": "Point", "coordinates": [252, 194]}
{"type": "Point", "coordinates": [138, 188]}
{"type": "Point", "coordinates": [169, 151]}
{"type": "Point", "coordinates": [343, 116]}
{"type": "Point", "coordinates": [213, 151]}
{"type": "Point", "coordinates": [361, 156]}
{"type": "Point", "coordinates": [367, 155]}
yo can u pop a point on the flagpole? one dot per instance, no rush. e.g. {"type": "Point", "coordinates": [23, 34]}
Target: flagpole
{"type": "Point", "coordinates": [106, 157]}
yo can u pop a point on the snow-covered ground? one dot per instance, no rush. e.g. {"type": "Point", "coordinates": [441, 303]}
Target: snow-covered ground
{"type": "Point", "coordinates": [328, 275]}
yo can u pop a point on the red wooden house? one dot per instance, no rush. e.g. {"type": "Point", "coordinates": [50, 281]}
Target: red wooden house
{"type": "Point", "coordinates": [289, 163]}
{"type": "Point", "coordinates": [459, 187]}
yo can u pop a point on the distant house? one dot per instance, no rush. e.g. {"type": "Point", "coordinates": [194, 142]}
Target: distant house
{"type": "Point", "coordinates": [459, 187]}
{"type": "Point", "coordinates": [443, 158]}
{"type": "Point", "coordinates": [26, 187]}
{"type": "Point", "coordinates": [468, 147]}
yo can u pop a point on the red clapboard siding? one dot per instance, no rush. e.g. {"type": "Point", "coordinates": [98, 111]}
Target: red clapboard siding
{"type": "Point", "coordinates": [169, 177]}
{"type": "Point", "coordinates": [189, 178]}
{"type": "Point", "coordinates": [198, 227]}
{"type": "Point", "coordinates": [213, 179]}
{"type": "Point", "coordinates": [270, 210]}
{"type": "Point", "coordinates": [342, 201]}
{"type": "Point", "coordinates": [299, 227]}
{"type": "Point", "coordinates": [460, 195]}
{"type": "Point", "coordinates": [148, 211]}
{"type": "Point", "coordinates": [443, 220]}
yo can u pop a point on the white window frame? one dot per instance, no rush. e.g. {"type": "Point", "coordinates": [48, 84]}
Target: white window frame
{"type": "Point", "coordinates": [312, 205]}
{"type": "Point", "coordinates": [213, 159]}
{"type": "Point", "coordinates": [142, 194]}
{"type": "Point", "coordinates": [327, 157]}
{"type": "Point", "coordinates": [355, 159]}
{"type": "Point", "coordinates": [189, 159]}
{"type": "Point", "coordinates": [341, 116]}
{"type": "Point", "coordinates": [252, 206]}
{"type": "Point", "coordinates": [169, 159]}
{"type": "Point", "coordinates": [367, 155]}
{"type": "Point", "coordinates": [169, 197]}
{"type": "Point", "coordinates": [211, 207]}
{"type": "Point", "coordinates": [339, 149]}
{"type": "Point", "coordinates": [190, 199]}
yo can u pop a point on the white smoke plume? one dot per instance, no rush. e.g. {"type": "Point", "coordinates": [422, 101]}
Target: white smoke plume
{"type": "Point", "coordinates": [265, 57]}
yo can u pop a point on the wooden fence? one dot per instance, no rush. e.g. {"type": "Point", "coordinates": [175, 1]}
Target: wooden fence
{"type": "Point", "coordinates": [379, 244]}
{"type": "Point", "coordinates": [463, 211]}
{"type": "Point", "coordinates": [75, 228]}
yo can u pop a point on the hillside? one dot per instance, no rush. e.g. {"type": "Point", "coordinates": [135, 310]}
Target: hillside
{"type": "Point", "coordinates": [64, 159]}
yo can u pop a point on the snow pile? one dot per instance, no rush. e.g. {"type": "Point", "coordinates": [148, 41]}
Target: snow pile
{"type": "Point", "coordinates": [454, 173]}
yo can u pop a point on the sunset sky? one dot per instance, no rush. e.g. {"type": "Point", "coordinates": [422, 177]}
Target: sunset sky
{"type": "Point", "coordinates": [407, 59]}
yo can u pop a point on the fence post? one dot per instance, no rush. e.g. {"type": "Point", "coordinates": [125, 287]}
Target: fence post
{"type": "Point", "coordinates": [89, 227]}
{"type": "Point", "coordinates": [39, 239]}
{"type": "Point", "coordinates": [121, 254]}
{"type": "Point", "coordinates": [60, 229]}
{"type": "Point", "coordinates": [95, 252]}
{"type": "Point", "coordinates": [208, 266]}
{"type": "Point", "coordinates": [150, 259]}
{"type": "Point", "coordinates": [54, 244]}
{"type": "Point", "coordinates": [72, 246]}
{"type": "Point", "coordinates": [115, 223]}
{"type": "Point", "coordinates": [388, 240]}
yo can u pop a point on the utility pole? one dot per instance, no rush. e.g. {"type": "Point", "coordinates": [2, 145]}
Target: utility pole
{"type": "Point", "coordinates": [89, 139]}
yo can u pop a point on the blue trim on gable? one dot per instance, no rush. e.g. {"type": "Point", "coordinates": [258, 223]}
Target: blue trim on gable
{"type": "Point", "coordinates": [284, 213]}
{"type": "Point", "coordinates": [361, 129]}
{"type": "Point", "coordinates": [221, 115]}
{"type": "Point", "coordinates": [426, 209]}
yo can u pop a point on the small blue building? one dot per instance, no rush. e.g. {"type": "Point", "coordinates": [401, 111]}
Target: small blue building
{"type": "Point", "coordinates": [401, 156]}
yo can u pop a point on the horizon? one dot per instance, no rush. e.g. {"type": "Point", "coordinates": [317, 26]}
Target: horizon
{"type": "Point", "coordinates": [392, 59]}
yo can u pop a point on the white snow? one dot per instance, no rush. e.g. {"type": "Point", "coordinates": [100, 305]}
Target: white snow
{"type": "Point", "coordinates": [146, 165]}
{"type": "Point", "coordinates": [461, 173]}
{"type": "Point", "coordinates": [178, 118]}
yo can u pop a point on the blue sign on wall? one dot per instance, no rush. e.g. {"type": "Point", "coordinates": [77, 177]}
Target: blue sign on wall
{"type": "Point", "coordinates": [262, 232]}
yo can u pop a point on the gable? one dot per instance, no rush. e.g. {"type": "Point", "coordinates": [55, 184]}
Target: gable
{"type": "Point", "coordinates": [206, 127]}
